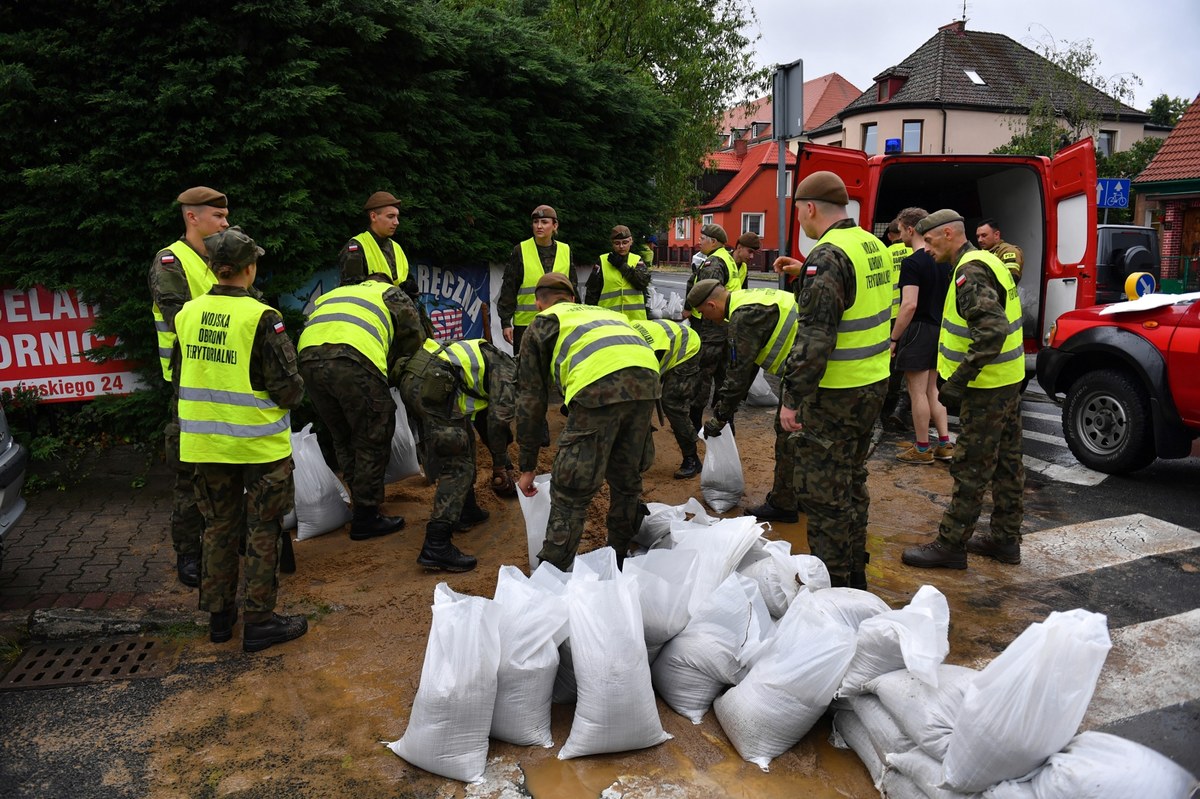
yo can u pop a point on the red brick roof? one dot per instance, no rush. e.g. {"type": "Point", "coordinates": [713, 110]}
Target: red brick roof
{"type": "Point", "coordinates": [823, 97]}
{"type": "Point", "coordinates": [758, 157]}
{"type": "Point", "coordinates": [1179, 156]}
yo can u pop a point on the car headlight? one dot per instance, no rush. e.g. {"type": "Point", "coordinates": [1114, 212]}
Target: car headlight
{"type": "Point", "coordinates": [1050, 334]}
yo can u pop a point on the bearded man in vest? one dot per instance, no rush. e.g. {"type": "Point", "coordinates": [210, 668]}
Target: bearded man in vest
{"type": "Point", "coordinates": [353, 345]}
{"type": "Point", "coordinates": [718, 265]}
{"type": "Point", "coordinates": [761, 326]}
{"type": "Point", "coordinates": [677, 348]}
{"type": "Point", "coordinates": [236, 380]}
{"type": "Point", "coordinates": [178, 273]}
{"type": "Point", "coordinates": [609, 377]}
{"type": "Point", "coordinates": [620, 279]}
{"type": "Point", "coordinates": [981, 358]}
{"type": "Point", "coordinates": [528, 261]}
{"type": "Point", "coordinates": [838, 373]}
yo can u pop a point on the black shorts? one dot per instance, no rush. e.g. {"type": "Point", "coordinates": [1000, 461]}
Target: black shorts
{"type": "Point", "coordinates": [916, 351]}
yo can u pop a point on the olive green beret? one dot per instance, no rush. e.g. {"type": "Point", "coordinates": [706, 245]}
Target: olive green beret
{"type": "Point", "coordinates": [824, 186]}
{"type": "Point", "coordinates": [203, 195]}
{"type": "Point", "coordinates": [750, 241]}
{"type": "Point", "coordinates": [937, 219]}
{"type": "Point", "coordinates": [557, 280]}
{"type": "Point", "coordinates": [544, 212]}
{"type": "Point", "coordinates": [620, 232]}
{"type": "Point", "coordinates": [700, 292]}
{"type": "Point", "coordinates": [715, 232]}
{"type": "Point", "coordinates": [380, 199]}
{"type": "Point", "coordinates": [232, 247]}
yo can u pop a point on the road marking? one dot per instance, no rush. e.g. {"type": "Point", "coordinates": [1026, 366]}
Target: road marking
{"type": "Point", "coordinates": [1076, 475]}
{"type": "Point", "coordinates": [1045, 417]}
{"type": "Point", "coordinates": [1153, 666]}
{"type": "Point", "coordinates": [1045, 438]}
{"type": "Point", "coordinates": [1077, 548]}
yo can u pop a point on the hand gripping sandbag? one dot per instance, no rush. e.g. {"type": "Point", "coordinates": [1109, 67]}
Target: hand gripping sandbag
{"type": "Point", "coordinates": [1028, 702]}
{"type": "Point", "coordinates": [321, 503]}
{"type": "Point", "coordinates": [530, 620]}
{"type": "Point", "coordinates": [615, 711]}
{"type": "Point", "coordinates": [914, 637]}
{"type": "Point", "coordinates": [403, 461]}
{"type": "Point", "coordinates": [721, 478]}
{"type": "Point", "coordinates": [536, 510]}
{"type": "Point", "coordinates": [447, 732]}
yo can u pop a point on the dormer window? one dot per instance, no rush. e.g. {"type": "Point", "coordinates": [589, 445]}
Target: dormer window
{"type": "Point", "coordinates": [974, 76]}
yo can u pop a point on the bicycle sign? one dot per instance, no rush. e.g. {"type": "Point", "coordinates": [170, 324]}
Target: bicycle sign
{"type": "Point", "coordinates": [1112, 193]}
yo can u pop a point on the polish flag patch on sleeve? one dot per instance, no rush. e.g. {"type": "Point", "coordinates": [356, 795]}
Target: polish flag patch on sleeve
{"type": "Point", "coordinates": [279, 326]}
{"type": "Point", "coordinates": [960, 280]}
{"type": "Point", "coordinates": [810, 271]}
{"type": "Point", "coordinates": [353, 248]}
{"type": "Point", "coordinates": [168, 259]}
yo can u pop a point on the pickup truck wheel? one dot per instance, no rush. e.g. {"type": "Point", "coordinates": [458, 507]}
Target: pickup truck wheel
{"type": "Point", "coordinates": [1106, 421]}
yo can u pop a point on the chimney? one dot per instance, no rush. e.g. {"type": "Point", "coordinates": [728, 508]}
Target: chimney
{"type": "Point", "coordinates": [739, 148]}
{"type": "Point", "coordinates": [958, 26]}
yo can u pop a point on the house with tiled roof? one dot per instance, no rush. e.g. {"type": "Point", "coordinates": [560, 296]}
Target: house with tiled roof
{"type": "Point", "coordinates": [966, 91]}
{"type": "Point", "coordinates": [739, 187]}
{"type": "Point", "coordinates": [1168, 192]}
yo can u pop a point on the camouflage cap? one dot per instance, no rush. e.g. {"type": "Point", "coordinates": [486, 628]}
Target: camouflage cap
{"type": "Point", "coordinates": [380, 199]}
{"type": "Point", "coordinates": [620, 232]}
{"type": "Point", "coordinates": [750, 241]}
{"type": "Point", "coordinates": [544, 212]}
{"type": "Point", "coordinates": [714, 232]}
{"type": "Point", "coordinates": [700, 292]}
{"type": "Point", "coordinates": [232, 247]}
{"type": "Point", "coordinates": [824, 186]}
{"type": "Point", "coordinates": [557, 280]}
{"type": "Point", "coordinates": [937, 219]}
{"type": "Point", "coordinates": [203, 195]}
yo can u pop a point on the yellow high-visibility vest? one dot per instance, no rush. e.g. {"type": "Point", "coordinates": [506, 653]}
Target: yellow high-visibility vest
{"type": "Point", "coordinates": [592, 343]}
{"type": "Point", "coordinates": [677, 343]}
{"type": "Point", "coordinates": [354, 315]}
{"type": "Point", "coordinates": [222, 418]}
{"type": "Point", "coordinates": [954, 340]}
{"type": "Point", "coordinates": [617, 293]}
{"type": "Point", "coordinates": [774, 353]}
{"type": "Point", "coordinates": [467, 355]}
{"type": "Point", "coordinates": [736, 275]}
{"type": "Point", "coordinates": [861, 355]}
{"type": "Point", "coordinates": [200, 279]}
{"type": "Point", "coordinates": [377, 263]}
{"type": "Point", "coordinates": [526, 301]}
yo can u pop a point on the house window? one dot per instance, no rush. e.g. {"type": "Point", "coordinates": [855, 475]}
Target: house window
{"type": "Point", "coordinates": [973, 76]}
{"type": "Point", "coordinates": [752, 223]}
{"type": "Point", "coordinates": [1106, 142]}
{"type": "Point", "coordinates": [912, 135]}
{"type": "Point", "coordinates": [788, 191]}
{"type": "Point", "coordinates": [707, 219]}
{"type": "Point", "coordinates": [884, 85]}
{"type": "Point", "coordinates": [870, 139]}
{"type": "Point", "coordinates": [683, 228]}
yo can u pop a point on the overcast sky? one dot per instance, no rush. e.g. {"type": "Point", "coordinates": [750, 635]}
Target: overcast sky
{"type": "Point", "coordinates": [861, 38]}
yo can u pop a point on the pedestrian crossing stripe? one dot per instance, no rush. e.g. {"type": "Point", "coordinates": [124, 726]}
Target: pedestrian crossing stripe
{"type": "Point", "coordinates": [1076, 474]}
{"type": "Point", "coordinates": [1087, 546]}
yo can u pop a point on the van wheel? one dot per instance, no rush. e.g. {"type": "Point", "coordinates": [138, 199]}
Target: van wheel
{"type": "Point", "coordinates": [1106, 421]}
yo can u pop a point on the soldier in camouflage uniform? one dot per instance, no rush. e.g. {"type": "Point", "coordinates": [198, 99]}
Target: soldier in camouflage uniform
{"type": "Point", "coordinates": [981, 359]}
{"type": "Point", "coordinates": [178, 273]}
{"type": "Point", "coordinates": [714, 339]}
{"type": "Point", "coordinates": [356, 340]}
{"type": "Point", "coordinates": [237, 379]}
{"type": "Point", "coordinates": [550, 254]}
{"type": "Point", "coordinates": [988, 235]}
{"type": "Point", "coordinates": [837, 374]}
{"type": "Point", "coordinates": [447, 386]}
{"type": "Point", "coordinates": [609, 376]}
{"type": "Point", "coordinates": [677, 349]}
{"type": "Point", "coordinates": [761, 325]}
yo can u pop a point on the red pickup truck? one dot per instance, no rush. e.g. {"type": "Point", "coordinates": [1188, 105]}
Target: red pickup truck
{"type": "Point", "coordinates": [1131, 376]}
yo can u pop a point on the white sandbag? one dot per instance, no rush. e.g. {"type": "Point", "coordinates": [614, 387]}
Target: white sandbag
{"type": "Point", "coordinates": [1028, 702]}
{"type": "Point", "coordinates": [760, 394]}
{"type": "Point", "coordinates": [849, 733]}
{"type": "Point", "coordinates": [616, 711]}
{"type": "Point", "coordinates": [600, 564]}
{"type": "Point", "coordinates": [403, 461]}
{"type": "Point", "coordinates": [811, 572]}
{"type": "Point", "coordinates": [657, 526]}
{"type": "Point", "coordinates": [926, 773]}
{"type": "Point", "coordinates": [914, 637]}
{"type": "Point", "coordinates": [926, 714]}
{"type": "Point", "coordinates": [1096, 765]}
{"type": "Point", "coordinates": [447, 732]}
{"type": "Point", "coordinates": [664, 579]}
{"type": "Point", "coordinates": [790, 686]}
{"type": "Point", "coordinates": [322, 505]}
{"type": "Point", "coordinates": [565, 691]}
{"type": "Point", "coordinates": [776, 574]}
{"type": "Point", "coordinates": [530, 620]}
{"type": "Point", "coordinates": [850, 606]}
{"type": "Point", "coordinates": [896, 785]}
{"type": "Point", "coordinates": [721, 478]}
{"type": "Point", "coordinates": [885, 734]}
{"type": "Point", "coordinates": [720, 547]}
{"type": "Point", "coordinates": [536, 510]}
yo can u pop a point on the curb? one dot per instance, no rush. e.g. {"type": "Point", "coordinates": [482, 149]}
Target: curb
{"type": "Point", "coordinates": [57, 624]}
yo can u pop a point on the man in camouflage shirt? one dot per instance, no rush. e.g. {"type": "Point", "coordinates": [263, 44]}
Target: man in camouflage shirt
{"type": "Point", "coordinates": [714, 337]}
{"type": "Point", "coordinates": [988, 235]}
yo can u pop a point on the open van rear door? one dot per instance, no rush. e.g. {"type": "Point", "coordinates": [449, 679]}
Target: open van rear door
{"type": "Point", "coordinates": [1071, 245]}
{"type": "Point", "coordinates": [851, 166]}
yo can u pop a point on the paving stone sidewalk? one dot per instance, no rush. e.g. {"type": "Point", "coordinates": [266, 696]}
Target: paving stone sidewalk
{"type": "Point", "coordinates": [102, 544]}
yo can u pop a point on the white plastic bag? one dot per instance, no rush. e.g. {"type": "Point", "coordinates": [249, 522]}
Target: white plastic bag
{"type": "Point", "coordinates": [531, 618]}
{"type": "Point", "coordinates": [664, 579]}
{"type": "Point", "coordinates": [760, 394]}
{"type": "Point", "coordinates": [1096, 765]}
{"type": "Point", "coordinates": [777, 576]}
{"type": "Point", "coordinates": [914, 637]}
{"type": "Point", "coordinates": [849, 732]}
{"type": "Point", "coordinates": [850, 606]}
{"type": "Point", "coordinates": [720, 546]}
{"type": "Point", "coordinates": [322, 505]}
{"type": "Point", "coordinates": [721, 478]}
{"type": "Point", "coordinates": [403, 461]}
{"type": "Point", "coordinates": [615, 711]}
{"type": "Point", "coordinates": [447, 732]}
{"type": "Point", "coordinates": [925, 713]}
{"type": "Point", "coordinates": [926, 773]}
{"type": "Point", "coordinates": [656, 527]}
{"type": "Point", "coordinates": [884, 733]}
{"type": "Point", "coordinates": [536, 510]}
{"type": "Point", "coordinates": [1028, 702]}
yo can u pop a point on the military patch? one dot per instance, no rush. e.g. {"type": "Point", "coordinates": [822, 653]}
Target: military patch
{"type": "Point", "coordinates": [810, 271]}
{"type": "Point", "coordinates": [167, 259]}
{"type": "Point", "coordinates": [960, 280]}
{"type": "Point", "coordinates": [352, 248]}
{"type": "Point", "coordinates": [1009, 256]}
{"type": "Point", "coordinates": [279, 328]}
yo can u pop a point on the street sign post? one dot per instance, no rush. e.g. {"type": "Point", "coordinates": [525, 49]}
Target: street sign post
{"type": "Point", "coordinates": [788, 122]}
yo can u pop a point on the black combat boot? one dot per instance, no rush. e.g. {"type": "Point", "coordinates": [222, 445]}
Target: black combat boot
{"type": "Point", "coordinates": [188, 569]}
{"type": "Point", "coordinates": [439, 553]}
{"type": "Point", "coordinates": [368, 523]}
{"type": "Point", "coordinates": [690, 468]}
{"type": "Point", "coordinates": [220, 625]}
{"type": "Point", "coordinates": [471, 514]}
{"type": "Point", "coordinates": [770, 512]}
{"type": "Point", "coordinates": [257, 636]}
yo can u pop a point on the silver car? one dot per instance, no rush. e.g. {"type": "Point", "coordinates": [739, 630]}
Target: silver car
{"type": "Point", "coordinates": [13, 458]}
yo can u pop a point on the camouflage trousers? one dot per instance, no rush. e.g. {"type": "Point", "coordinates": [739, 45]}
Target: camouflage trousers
{"type": "Point", "coordinates": [783, 483]}
{"type": "Point", "coordinates": [713, 361]}
{"type": "Point", "coordinates": [987, 453]}
{"type": "Point", "coordinates": [187, 524]}
{"type": "Point", "coordinates": [611, 443]}
{"type": "Point", "coordinates": [449, 445]}
{"type": "Point", "coordinates": [679, 387]}
{"type": "Point", "coordinates": [360, 414]}
{"type": "Point", "coordinates": [831, 472]}
{"type": "Point", "coordinates": [230, 495]}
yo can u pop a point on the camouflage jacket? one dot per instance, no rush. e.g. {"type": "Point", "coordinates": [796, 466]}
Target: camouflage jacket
{"type": "Point", "coordinates": [750, 327]}
{"type": "Point", "coordinates": [1011, 256]}
{"type": "Point", "coordinates": [514, 273]}
{"type": "Point", "coordinates": [980, 301]}
{"type": "Point", "coordinates": [168, 283]}
{"type": "Point", "coordinates": [711, 268]}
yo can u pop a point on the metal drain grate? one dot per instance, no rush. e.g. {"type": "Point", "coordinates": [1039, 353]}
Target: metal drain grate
{"type": "Point", "coordinates": [65, 663]}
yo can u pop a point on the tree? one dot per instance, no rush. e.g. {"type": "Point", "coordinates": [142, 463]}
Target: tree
{"type": "Point", "coordinates": [1166, 110]}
